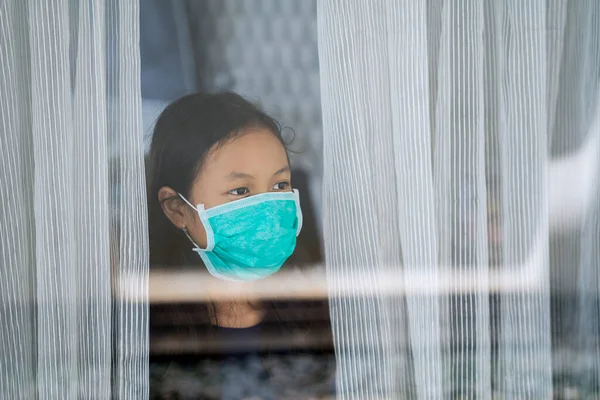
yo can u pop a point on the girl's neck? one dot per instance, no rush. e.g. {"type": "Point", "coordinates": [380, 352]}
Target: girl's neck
{"type": "Point", "coordinates": [237, 314]}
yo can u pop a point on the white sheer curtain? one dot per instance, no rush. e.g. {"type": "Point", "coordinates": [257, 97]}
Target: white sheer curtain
{"type": "Point", "coordinates": [73, 209]}
{"type": "Point", "coordinates": [461, 197]}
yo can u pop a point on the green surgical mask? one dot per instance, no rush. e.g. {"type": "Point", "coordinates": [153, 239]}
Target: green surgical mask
{"type": "Point", "coordinates": [251, 238]}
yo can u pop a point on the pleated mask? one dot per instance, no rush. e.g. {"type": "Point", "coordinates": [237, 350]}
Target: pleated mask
{"type": "Point", "coordinates": [250, 238]}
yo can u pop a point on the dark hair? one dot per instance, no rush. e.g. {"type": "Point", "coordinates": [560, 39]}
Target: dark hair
{"type": "Point", "coordinates": [184, 134]}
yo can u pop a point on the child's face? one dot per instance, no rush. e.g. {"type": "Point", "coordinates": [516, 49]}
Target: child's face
{"type": "Point", "coordinates": [253, 163]}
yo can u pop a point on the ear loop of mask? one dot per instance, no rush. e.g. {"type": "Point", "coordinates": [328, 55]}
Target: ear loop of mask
{"type": "Point", "coordinates": [299, 215]}
{"type": "Point", "coordinates": [205, 224]}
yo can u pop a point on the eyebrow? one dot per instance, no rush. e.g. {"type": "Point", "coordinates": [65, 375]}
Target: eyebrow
{"type": "Point", "coordinates": [282, 170]}
{"type": "Point", "coordinates": [234, 176]}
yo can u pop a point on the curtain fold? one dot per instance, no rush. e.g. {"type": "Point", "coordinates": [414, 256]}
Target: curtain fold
{"type": "Point", "coordinates": [460, 196]}
{"type": "Point", "coordinates": [73, 200]}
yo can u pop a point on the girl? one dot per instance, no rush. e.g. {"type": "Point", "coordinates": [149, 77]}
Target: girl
{"type": "Point", "coordinates": [220, 197]}
{"type": "Point", "coordinates": [220, 194]}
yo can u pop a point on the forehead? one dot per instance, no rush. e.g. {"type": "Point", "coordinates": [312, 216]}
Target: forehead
{"type": "Point", "coordinates": [257, 152]}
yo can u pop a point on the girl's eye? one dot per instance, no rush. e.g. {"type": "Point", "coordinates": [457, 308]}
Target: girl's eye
{"type": "Point", "coordinates": [239, 191]}
{"type": "Point", "coordinates": [281, 186]}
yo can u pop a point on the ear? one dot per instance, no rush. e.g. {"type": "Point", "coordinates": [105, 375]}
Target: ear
{"type": "Point", "coordinates": [174, 208]}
